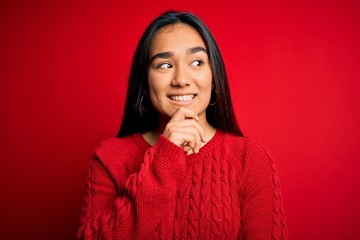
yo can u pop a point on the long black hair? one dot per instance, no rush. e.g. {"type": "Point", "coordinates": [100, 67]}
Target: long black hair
{"type": "Point", "coordinates": [139, 114]}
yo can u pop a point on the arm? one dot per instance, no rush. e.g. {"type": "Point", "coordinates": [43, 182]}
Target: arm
{"type": "Point", "coordinates": [262, 215]}
{"type": "Point", "coordinates": [147, 197]}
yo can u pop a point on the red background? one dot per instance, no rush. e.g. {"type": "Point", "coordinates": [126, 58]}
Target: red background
{"type": "Point", "coordinates": [294, 72]}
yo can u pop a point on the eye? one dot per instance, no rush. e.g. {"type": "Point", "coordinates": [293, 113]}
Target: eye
{"type": "Point", "coordinates": [164, 65]}
{"type": "Point", "coordinates": [197, 63]}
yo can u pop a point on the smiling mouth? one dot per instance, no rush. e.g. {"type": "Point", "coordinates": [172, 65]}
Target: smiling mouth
{"type": "Point", "coordinates": [182, 98]}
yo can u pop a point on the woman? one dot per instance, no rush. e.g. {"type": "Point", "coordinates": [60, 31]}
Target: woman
{"type": "Point", "coordinates": [180, 168]}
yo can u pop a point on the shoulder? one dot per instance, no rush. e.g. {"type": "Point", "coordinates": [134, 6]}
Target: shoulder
{"type": "Point", "coordinates": [116, 149]}
{"type": "Point", "coordinates": [246, 154]}
{"type": "Point", "coordinates": [243, 146]}
{"type": "Point", "coordinates": [113, 144]}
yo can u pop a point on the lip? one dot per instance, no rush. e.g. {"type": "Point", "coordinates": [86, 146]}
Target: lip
{"type": "Point", "coordinates": [182, 99]}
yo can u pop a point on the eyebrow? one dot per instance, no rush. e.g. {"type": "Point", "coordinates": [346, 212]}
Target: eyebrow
{"type": "Point", "coordinates": [195, 50]}
{"type": "Point", "coordinates": [161, 55]}
{"type": "Point", "coordinates": [170, 54]}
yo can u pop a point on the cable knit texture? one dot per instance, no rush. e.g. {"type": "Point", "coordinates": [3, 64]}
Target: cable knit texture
{"type": "Point", "coordinates": [229, 190]}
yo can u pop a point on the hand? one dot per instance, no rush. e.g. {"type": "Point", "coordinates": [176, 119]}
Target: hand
{"type": "Point", "coordinates": [184, 130]}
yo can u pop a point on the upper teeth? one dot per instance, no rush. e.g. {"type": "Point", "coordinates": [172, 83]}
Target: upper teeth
{"type": "Point", "coordinates": [182, 98]}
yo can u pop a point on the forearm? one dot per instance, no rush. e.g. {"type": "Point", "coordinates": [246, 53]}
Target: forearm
{"type": "Point", "coordinates": [148, 196]}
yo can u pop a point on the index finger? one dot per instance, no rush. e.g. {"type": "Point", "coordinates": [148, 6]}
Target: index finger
{"type": "Point", "coordinates": [183, 113]}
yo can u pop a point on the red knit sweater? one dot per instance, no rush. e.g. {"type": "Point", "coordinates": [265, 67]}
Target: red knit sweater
{"type": "Point", "coordinates": [229, 190]}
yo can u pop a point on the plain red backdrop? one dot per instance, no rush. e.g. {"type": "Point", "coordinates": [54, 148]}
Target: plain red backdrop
{"type": "Point", "coordinates": [294, 71]}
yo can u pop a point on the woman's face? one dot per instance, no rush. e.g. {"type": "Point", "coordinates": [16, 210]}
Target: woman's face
{"type": "Point", "coordinates": [179, 71]}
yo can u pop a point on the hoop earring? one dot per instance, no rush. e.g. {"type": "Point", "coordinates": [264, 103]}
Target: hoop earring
{"type": "Point", "coordinates": [216, 98]}
{"type": "Point", "coordinates": [142, 104]}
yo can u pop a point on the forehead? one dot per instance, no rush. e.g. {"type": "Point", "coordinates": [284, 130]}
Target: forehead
{"type": "Point", "coordinates": [175, 36]}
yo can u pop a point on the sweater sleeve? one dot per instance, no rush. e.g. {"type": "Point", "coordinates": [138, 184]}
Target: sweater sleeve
{"type": "Point", "coordinates": [262, 215]}
{"type": "Point", "coordinates": [148, 196]}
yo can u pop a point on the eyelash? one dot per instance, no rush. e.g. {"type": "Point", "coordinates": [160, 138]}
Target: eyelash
{"type": "Point", "coordinates": [168, 65]}
{"type": "Point", "coordinates": [162, 64]}
{"type": "Point", "coordinates": [200, 63]}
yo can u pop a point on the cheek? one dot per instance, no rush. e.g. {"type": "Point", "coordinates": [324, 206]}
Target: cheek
{"type": "Point", "coordinates": [156, 91]}
{"type": "Point", "coordinates": [206, 82]}
{"type": "Point", "coordinates": [158, 82]}
{"type": "Point", "coordinates": [208, 94]}
{"type": "Point", "coordinates": [152, 84]}
{"type": "Point", "coordinates": [153, 92]}
{"type": "Point", "coordinates": [208, 85]}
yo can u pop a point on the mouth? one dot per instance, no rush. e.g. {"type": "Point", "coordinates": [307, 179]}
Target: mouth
{"type": "Point", "coordinates": [182, 98]}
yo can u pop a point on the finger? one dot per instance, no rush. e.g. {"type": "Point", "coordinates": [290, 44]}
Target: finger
{"type": "Point", "coordinates": [186, 148]}
{"type": "Point", "coordinates": [187, 144]}
{"type": "Point", "coordinates": [193, 141]}
{"type": "Point", "coordinates": [186, 126]}
{"type": "Point", "coordinates": [190, 123]}
{"type": "Point", "coordinates": [197, 145]}
{"type": "Point", "coordinates": [184, 113]}
{"type": "Point", "coordinates": [188, 141]}
{"type": "Point", "coordinates": [196, 126]}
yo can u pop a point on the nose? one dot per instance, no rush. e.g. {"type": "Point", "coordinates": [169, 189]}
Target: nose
{"type": "Point", "coordinates": [181, 77]}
